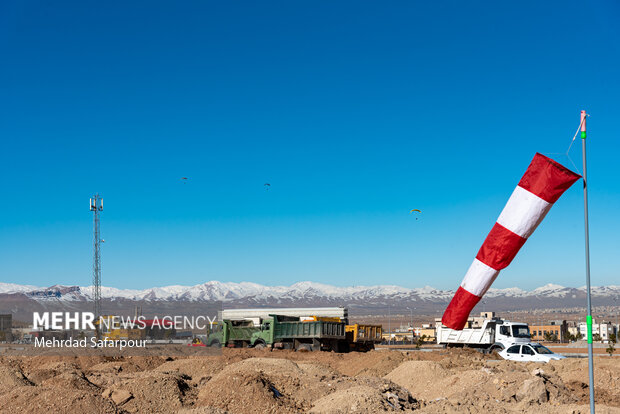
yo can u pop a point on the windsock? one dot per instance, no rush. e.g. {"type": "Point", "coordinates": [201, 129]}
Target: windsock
{"type": "Point", "coordinates": [542, 185]}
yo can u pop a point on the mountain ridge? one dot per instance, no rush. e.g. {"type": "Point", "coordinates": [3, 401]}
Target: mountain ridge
{"type": "Point", "coordinates": [235, 291]}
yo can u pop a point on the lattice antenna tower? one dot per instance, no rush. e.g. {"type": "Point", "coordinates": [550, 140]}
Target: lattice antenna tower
{"type": "Point", "coordinates": [96, 206]}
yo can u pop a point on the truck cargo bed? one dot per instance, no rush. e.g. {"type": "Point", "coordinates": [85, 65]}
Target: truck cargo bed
{"type": "Point", "coordinates": [319, 329]}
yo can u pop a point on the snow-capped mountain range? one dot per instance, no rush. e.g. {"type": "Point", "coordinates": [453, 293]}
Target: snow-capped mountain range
{"type": "Point", "coordinates": [232, 292]}
{"type": "Point", "coordinates": [22, 300]}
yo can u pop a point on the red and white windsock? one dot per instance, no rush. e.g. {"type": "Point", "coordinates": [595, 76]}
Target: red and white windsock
{"type": "Point", "coordinates": [542, 184]}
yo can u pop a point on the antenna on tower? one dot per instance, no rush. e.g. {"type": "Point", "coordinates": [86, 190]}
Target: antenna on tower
{"type": "Point", "coordinates": [96, 206]}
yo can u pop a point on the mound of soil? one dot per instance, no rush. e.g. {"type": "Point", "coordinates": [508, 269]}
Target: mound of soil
{"type": "Point", "coordinates": [149, 392]}
{"type": "Point", "coordinates": [251, 392]}
{"type": "Point", "coordinates": [11, 377]}
{"type": "Point", "coordinates": [420, 378]}
{"type": "Point", "coordinates": [49, 369]}
{"type": "Point", "coordinates": [262, 384]}
{"type": "Point", "coordinates": [363, 399]}
{"type": "Point", "coordinates": [50, 400]}
{"type": "Point", "coordinates": [72, 380]}
{"type": "Point", "coordinates": [501, 386]}
{"type": "Point", "coordinates": [251, 381]}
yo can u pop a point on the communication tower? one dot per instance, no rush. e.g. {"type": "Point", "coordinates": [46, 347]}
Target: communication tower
{"type": "Point", "coordinates": [96, 206]}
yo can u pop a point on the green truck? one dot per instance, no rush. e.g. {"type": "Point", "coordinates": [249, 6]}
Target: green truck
{"type": "Point", "coordinates": [289, 332]}
{"type": "Point", "coordinates": [285, 332]}
{"type": "Point", "coordinates": [237, 334]}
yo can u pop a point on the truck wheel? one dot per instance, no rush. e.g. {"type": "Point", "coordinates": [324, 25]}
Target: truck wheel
{"type": "Point", "coordinates": [495, 349]}
{"type": "Point", "coordinates": [215, 344]}
{"type": "Point", "coordinates": [340, 347]}
{"type": "Point", "coordinates": [259, 345]}
{"type": "Point", "coordinates": [304, 348]}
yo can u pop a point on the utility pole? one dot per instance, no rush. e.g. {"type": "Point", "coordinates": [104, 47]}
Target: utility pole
{"type": "Point", "coordinates": [389, 325]}
{"type": "Point", "coordinates": [617, 318]}
{"type": "Point", "coordinates": [411, 321]}
{"type": "Point", "coordinates": [96, 206]}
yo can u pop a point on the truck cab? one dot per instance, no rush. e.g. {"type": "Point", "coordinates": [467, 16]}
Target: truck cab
{"type": "Point", "coordinates": [264, 336]}
{"type": "Point", "coordinates": [509, 333]}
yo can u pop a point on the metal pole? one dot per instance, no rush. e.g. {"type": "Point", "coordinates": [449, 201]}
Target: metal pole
{"type": "Point", "coordinates": [411, 322]}
{"type": "Point", "coordinates": [389, 326]}
{"type": "Point", "coordinates": [617, 318]}
{"type": "Point", "coordinates": [587, 240]}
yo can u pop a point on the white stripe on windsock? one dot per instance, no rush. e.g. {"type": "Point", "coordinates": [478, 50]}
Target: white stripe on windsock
{"type": "Point", "coordinates": [479, 278]}
{"type": "Point", "coordinates": [523, 212]}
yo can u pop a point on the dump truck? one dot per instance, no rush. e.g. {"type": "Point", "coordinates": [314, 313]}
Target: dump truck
{"type": "Point", "coordinates": [289, 332]}
{"type": "Point", "coordinates": [492, 335]}
{"type": "Point", "coordinates": [362, 338]}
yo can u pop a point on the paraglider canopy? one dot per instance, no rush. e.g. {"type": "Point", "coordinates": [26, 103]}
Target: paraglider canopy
{"type": "Point", "coordinates": [266, 185]}
{"type": "Point", "coordinates": [415, 209]}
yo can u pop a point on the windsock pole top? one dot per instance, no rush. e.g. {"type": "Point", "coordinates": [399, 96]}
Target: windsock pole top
{"type": "Point", "coordinates": [583, 124]}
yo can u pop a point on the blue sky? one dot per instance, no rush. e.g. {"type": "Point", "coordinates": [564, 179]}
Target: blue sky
{"type": "Point", "coordinates": [354, 112]}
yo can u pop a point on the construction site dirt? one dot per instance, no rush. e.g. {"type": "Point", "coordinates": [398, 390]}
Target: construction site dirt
{"type": "Point", "coordinates": [263, 381]}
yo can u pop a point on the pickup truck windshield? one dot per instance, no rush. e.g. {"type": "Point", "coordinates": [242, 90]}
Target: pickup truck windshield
{"type": "Point", "coordinates": [520, 331]}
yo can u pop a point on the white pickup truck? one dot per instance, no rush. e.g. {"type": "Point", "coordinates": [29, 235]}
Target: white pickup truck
{"type": "Point", "coordinates": [493, 335]}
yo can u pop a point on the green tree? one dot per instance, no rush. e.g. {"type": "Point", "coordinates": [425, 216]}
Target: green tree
{"type": "Point", "coordinates": [612, 342]}
{"type": "Point", "coordinates": [420, 341]}
{"type": "Point", "coordinates": [550, 337]}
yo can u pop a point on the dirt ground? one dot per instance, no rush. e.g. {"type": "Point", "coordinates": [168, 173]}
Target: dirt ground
{"type": "Point", "coordinates": [260, 381]}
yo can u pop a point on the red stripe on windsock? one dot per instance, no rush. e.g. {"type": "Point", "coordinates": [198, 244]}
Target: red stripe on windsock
{"type": "Point", "coordinates": [500, 247]}
{"type": "Point", "coordinates": [458, 310]}
{"type": "Point", "coordinates": [547, 179]}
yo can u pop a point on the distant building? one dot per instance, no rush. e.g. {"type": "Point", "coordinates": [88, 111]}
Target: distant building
{"type": "Point", "coordinates": [425, 330]}
{"type": "Point", "coordinates": [603, 329]}
{"type": "Point", "coordinates": [6, 323]}
{"type": "Point", "coordinates": [487, 315]}
{"type": "Point", "coordinates": [557, 328]}
{"type": "Point", "coordinates": [574, 331]}
{"type": "Point", "coordinates": [397, 337]}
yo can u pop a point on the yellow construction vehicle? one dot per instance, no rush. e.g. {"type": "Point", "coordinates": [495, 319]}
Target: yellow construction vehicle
{"type": "Point", "coordinates": [359, 337]}
{"type": "Point", "coordinates": [112, 329]}
{"type": "Point", "coordinates": [362, 337]}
